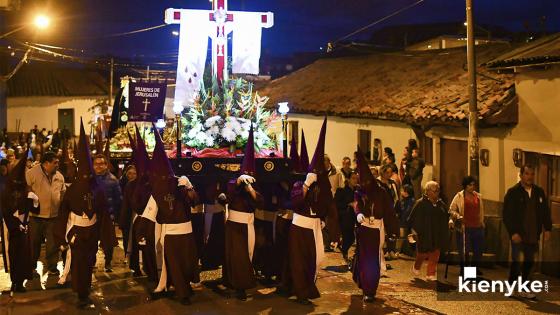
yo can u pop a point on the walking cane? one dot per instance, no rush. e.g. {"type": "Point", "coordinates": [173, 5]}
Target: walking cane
{"type": "Point", "coordinates": [448, 253]}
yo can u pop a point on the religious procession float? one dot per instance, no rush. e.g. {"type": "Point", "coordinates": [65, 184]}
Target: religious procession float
{"type": "Point", "coordinates": [212, 114]}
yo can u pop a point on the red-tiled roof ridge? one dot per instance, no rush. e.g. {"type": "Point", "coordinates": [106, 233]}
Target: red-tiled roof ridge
{"type": "Point", "coordinates": [420, 88]}
{"type": "Point", "coordinates": [42, 79]}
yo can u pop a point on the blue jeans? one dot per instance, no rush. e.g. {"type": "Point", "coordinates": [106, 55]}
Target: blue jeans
{"type": "Point", "coordinates": [474, 242]}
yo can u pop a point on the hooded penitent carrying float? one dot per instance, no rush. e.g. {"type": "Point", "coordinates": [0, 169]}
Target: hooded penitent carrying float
{"type": "Point", "coordinates": [129, 215]}
{"type": "Point", "coordinates": [146, 221]}
{"type": "Point", "coordinates": [374, 213]}
{"type": "Point", "coordinates": [310, 200]}
{"type": "Point", "coordinates": [238, 271]}
{"type": "Point", "coordinates": [171, 200]}
{"type": "Point", "coordinates": [17, 201]}
{"type": "Point", "coordinates": [83, 221]}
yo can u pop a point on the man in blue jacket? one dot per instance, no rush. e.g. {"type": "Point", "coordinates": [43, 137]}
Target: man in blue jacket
{"type": "Point", "coordinates": [110, 185]}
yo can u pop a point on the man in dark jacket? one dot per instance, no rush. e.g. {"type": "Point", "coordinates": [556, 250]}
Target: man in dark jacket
{"type": "Point", "coordinates": [112, 189]}
{"type": "Point", "coordinates": [344, 199]}
{"type": "Point", "coordinates": [526, 212]}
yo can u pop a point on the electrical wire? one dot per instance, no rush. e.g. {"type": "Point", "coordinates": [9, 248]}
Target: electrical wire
{"type": "Point", "coordinates": [379, 21]}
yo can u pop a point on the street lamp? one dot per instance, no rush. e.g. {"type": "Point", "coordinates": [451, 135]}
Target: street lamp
{"type": "Point", "coordinates": [40, 21]}
{"type": "Point", "coordinates": [177, 109]}
{"type": "Point", "coordinates": [283, 109]}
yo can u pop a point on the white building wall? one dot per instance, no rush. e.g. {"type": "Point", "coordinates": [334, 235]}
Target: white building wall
{"type": "Point", "coordinates": [342, 136]}
{"type": "Point", "coordinates": [43, 111]}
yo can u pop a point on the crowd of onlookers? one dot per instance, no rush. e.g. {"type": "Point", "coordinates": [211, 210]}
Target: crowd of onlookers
{"type": "Point", "coordinates": [428, 223]}
{"type": "Point", "coordinates": [401, 179]}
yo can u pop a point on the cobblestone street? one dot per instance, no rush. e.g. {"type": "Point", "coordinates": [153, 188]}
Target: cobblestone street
{"type": "Point", "coordinates": [119, 293]}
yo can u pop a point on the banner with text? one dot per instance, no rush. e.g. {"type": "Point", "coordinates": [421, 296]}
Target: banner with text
{"type": "Point", "coordinates": [146, 101]}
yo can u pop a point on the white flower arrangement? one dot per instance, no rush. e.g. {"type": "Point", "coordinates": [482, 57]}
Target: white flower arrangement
{"type": "Point", "coordinates": [222, 116]}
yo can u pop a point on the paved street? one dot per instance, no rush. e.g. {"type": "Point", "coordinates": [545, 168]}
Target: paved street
{"type": "Point", "coordinates": [119, 293]}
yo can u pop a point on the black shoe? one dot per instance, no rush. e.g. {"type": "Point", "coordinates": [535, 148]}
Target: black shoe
{"type": "Point", "coordinates": [282, 292]}
{"type": "Point", "coordinates": [20, 288]}
{"type": "Point", "coordinates": [241, 295]}
{"type": "Point", "coordinates": [85, 303]}
{"type": "Point", "coordinates": [137, 273]}
{"type": "Point", "coordinates": [108, 268]}
{"type": "Point", "coordinates": [303, 301]}
{"type": "Point", "coordinates": [54, 272]}
{"type": "Point", "coordinates": [329, 249]}
{"type": "Point", "coordinates": [368, 299]}
{"type": "Point", "coordinates": [186, 301]}
{"type": "Point", "coordinates": [157, 295]}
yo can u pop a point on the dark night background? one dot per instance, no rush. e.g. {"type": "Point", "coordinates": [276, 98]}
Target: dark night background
{"type": "Point", "coordinates": [300, 25]}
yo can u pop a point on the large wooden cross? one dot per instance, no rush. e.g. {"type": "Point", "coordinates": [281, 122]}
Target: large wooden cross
{"type": "Point", "coordinates": [220, 15]}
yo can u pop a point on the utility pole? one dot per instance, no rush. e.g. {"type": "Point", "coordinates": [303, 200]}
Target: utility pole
{"type": "Point", "coordinates": [111, 73]}
{"type": "Point", "coordinates": [473, 109]}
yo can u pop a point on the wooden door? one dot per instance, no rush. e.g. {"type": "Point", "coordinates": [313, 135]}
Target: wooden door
{"type": "Point", "coordinates": [453, 168]}
{"type": "Point", "coordinates": [66, 119]}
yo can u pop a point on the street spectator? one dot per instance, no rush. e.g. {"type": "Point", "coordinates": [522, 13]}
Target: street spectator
{"type": "Point", "coordinates": [112, 189]}
{"type": "Point", "coordinates": [467, 219]}
{"type": "Point", "coordinates": [129, 174]}
{"type": "Point", "coordinates": [526, 213]}
{"type": "Point", "coordinates": [346, 169]}
{"type": "Point", "coordinates": [377, 155]}
{"type": "Point", "coordinates": [3, 178]}
{"type": "Point", "coordinates": [385, 174]}
{"type": "Point", "coordinates": [415, 171]}
{"type": "Point", "coordinates": [48, 184]}
{"type": "Point", "coordinates": [429, 222]}
{"type": "Point", "coordinates": [405, 208]}
{"type": "Point", "coordinates": [336, 180]}
{"type": "Point", "coordinates": [344, 199]}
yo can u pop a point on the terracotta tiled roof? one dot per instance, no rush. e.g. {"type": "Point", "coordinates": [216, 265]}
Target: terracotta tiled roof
{"type": "Point", "coordinates": [44, 79]}
{"type": "Point", "coordinates": [420, 88]}
{"type": "Point", "coordinates": [542, 51]}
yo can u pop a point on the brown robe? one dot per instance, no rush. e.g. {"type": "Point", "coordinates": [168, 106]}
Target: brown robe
{"type": "Point", "coordinates": [125, 221]}
{"type": "Point", "coordinates": [212, 256]}
{"type": "Point", "coordinates": [281, 234]}
{"type": "Point", "coordinates": [237, 272]}
{"type": "Point", "coordinates": [180, 254]}
{"type": "Point", "coordinates": [84, 248]}
{"type": "Point", "coordinates": [144, 229]}
{"type": "Point", "coordinates": [19, 247]}
{"type": "Point", "coordinates": [263, 258]}
{"type": "Point", "coordinates": [300, 277]}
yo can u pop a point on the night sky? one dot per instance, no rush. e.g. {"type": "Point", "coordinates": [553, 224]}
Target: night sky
{"type": "Point", "coordinates": [300, 25]}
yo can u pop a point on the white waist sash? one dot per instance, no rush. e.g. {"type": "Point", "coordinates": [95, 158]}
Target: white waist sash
{"type": "Point", "coordinates": [209, 211]}
{"type": "Point", "coordinates": [249, 220]}
{"type": "Point", "coordinates": [74, 220]}
{"type": "Point", "coordinates": [170, 229]}
{"type": "Point", "coordinates": [315, 225]}
{"type": "Point", "coordinates": [286, 214]}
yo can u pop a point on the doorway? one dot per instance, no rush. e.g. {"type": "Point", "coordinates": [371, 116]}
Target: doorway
{"type": "Point", "coordinates": [66, 120]}
{"type": "Point", "coordinates": [454, 167]}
